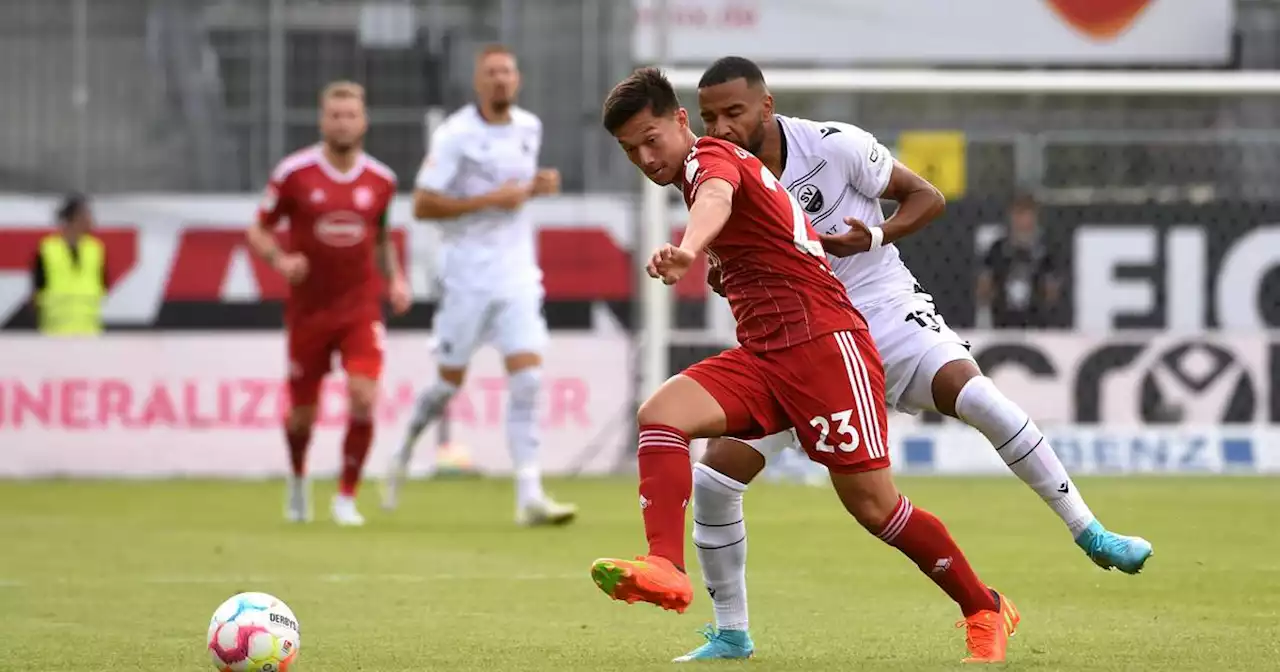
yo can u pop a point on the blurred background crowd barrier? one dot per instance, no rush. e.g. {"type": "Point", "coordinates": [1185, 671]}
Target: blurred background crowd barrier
{"type": "Point", "coordinates": [1147, 188]}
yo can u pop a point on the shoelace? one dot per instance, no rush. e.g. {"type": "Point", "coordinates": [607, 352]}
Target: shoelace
{"type": "Point", "coordinates": [985, 626]}
{"type": "Point", "coordinates": [1098, 544]}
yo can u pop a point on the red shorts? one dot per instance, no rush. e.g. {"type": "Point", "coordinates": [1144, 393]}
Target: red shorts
{"type": "Point", "coordinates": [831, 390]}
{"type": "Point", "coordinates": [311, 350]}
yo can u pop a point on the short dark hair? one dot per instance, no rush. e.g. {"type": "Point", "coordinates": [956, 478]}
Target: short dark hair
{"type": "Point", "coordinates": [646, 88]}
{"type": "Point", "coordinates": [730, 68]}
{"type": "Point", "coordinates": [1024, 201]}
{"type": "Point", "coordinates": [72, 205]}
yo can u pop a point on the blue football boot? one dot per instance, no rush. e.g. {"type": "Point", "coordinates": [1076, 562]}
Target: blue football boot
{"type": "Point", "coordinates": [721, 645]}
{"type": "Point", "coordinates": [1108, 549]}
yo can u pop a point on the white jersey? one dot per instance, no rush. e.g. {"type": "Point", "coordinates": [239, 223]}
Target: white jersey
{"type": "Point", "coordinates": [838, 170]}
{"type": "Point", "coordinates": [492, 251]}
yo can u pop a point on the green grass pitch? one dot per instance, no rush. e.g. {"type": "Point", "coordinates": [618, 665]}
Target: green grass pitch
{"type": "Point", "coordinates": [124, 576]}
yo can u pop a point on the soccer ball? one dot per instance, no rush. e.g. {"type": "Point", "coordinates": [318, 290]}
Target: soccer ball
{"type": "Point", "coordinates": [253, 632]}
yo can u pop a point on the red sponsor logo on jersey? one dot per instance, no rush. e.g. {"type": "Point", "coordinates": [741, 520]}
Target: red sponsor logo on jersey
{"type": "Point", "coordinates": [1099, 19]}
{"type": "Point", "coordinates": [341, 229]}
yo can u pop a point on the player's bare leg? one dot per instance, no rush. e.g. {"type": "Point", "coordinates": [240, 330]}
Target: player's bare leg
{"type": "Point", "coordinates": [679, 410]}
{"type": "Point", "coordinates": [429, 408]}
{"type": "Point", "coordinates": [960, 390]}
{"type": "Point", "coordinates": [524, 385]}
{"type": "Point", "coordinates": [297, 431]}
{"type": "Point", "coordinates": [362, 394]}
{"type": "Point", "coordinates": [872, 498]}
{"type": "Point", "coordinates": [720, 538]}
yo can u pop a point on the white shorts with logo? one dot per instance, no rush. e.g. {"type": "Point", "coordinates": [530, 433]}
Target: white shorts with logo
{"type": "Point", "coordinates": [914, 343]}
{"type": "Point", "coordinates": [464, 321]}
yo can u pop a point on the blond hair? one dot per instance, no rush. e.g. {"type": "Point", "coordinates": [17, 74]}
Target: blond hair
{"type": "Point", "coordinates": [342, 90]}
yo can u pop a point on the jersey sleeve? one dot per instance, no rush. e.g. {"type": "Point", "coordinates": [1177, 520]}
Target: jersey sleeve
{"type": "Point", "coordinates": [867, 164]}
{"type": "Point", "coordinates": [441, 164]}
{"type": "Point", "coordinates": [275, 202]}
{"type": "Point", "coordinates": [712, 160]}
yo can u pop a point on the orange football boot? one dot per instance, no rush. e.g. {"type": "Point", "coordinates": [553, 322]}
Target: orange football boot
{"type": "Point", "coordinates": [987, 633]}
{"type": "Point", "coordinates": [648, 578]}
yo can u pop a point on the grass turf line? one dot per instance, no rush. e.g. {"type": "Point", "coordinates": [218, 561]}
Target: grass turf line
{"type": "Point", "coordinates": [116, 575]}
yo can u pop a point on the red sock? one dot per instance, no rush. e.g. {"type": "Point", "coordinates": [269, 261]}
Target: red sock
{"type": "Point", "coordinates": [923, 538]}
{"type": "Point", "coordinates": [355, 447]}
{"type": "Point", "coordinates": [666, 483]}
{"type": "Point", "coordinates": [298, 442]}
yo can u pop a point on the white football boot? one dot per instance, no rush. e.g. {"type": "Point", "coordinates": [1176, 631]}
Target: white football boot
{"type": "Point", "coordinates": [297, 499]}
{"type": "Point", "coordinates": [545, 511]}
{"type": "Point", "coordinates": [397, 472]}
{"type": "Point", "coordinates": [344, 511]}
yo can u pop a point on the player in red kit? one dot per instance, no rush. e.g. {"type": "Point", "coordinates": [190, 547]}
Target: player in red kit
{"type": "Point", "coordinates": [335, 199]}
{"type": "Point", "coordinates": [805, 360]}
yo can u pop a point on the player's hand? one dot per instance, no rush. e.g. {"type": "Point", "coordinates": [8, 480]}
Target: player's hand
{"type": "Point", "coordinates": [856, 239]}
{"type": "Point", "coordinates": [401, 297]}
{"type": "Point", "coordinates": [669, 263]}
{"type": "Point", "coordinates": [546, 182]}
{"type": "Point", "coordinates": [292, 266]}
{"type": "Point", "coordinates": [715, 280]}
{"type": "Point", "coordinates": [510, 195]}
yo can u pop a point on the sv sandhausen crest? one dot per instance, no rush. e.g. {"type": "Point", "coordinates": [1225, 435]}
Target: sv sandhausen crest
{"type": "Point", "coordinates": [810, 198]}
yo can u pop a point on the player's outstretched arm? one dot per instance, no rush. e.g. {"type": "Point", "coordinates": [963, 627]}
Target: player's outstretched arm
{"type": "Point", "coordinates": [712, 205]}
{"type": "Point", "coordinates": [711, 208]}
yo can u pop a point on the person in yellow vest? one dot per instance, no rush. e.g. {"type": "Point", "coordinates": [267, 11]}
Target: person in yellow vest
{"type": "Point", "coordinates": [69, 275]}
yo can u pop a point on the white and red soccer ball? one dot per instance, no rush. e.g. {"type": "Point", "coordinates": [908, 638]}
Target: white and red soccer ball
{"type": "Point", "coordinates": [253, 632]}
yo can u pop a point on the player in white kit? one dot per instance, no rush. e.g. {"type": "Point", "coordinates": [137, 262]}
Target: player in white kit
{"type": "Point", "coordinates": [481, 168]}
{"type": "Point", "coordinates": [839, 172]}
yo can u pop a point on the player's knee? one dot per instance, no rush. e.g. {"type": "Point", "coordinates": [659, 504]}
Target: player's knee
{"type": "Point", "coordinates": [732, 458]}
{"type": "Point", "coordinates": [362, 397]}
{"type": "Point", "coordinates": [948, 383]}
{"type": "Point", "coordinates": [300, 419]}
{"type": "Point", "coordinates": [519, 361]}
{"type": "Point", "coordinates": [653, 412]}
{"type": "Point", "coordinates": [869, 496]}
{"type": "Point", "coordinates": [453, 375]}
{"type": "Point", "coordinates": [523, 386]}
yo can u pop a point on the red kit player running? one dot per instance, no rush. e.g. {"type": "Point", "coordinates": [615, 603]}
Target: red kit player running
{"type": "Point", "coordinates": [335, 198]}
{"type": "Point", "coordinates": [805, 360]}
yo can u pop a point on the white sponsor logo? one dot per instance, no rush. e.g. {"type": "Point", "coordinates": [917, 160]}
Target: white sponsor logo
{"type": "Point", "coordinates": [341, 229]}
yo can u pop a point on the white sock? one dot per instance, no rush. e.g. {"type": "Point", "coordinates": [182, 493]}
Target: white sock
{"type": "Point", "coordinates": [1024, 448]}
{"type": "Point", "coordinates": [720, 535]}
{"type": "Point", "coordinates": [429, 407]}
{"type": "Point", "coordinates": [522, 433]}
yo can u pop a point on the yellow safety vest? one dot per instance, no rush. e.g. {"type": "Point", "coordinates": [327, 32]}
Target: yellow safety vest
{"type": "Point", "coordinates": [71, 302]}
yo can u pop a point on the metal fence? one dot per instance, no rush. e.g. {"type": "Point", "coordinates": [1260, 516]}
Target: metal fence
{"type": "Point", "coordinates": [205, 95]}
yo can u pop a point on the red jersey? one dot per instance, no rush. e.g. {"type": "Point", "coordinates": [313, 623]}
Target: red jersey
{"type": "Point", "coordinates": [334, 220]}
{"type": "Point", "coordinates": [773, 268]}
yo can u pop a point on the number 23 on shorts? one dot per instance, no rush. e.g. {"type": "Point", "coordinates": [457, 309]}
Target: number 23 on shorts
{"type": "Point", "coordinates": [840, 421]}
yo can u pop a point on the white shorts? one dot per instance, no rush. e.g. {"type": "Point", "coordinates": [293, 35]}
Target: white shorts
{"type": "Point", "coordinates": [914, 343]}
{"type": "Point", "coordinates": [464, 321]}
